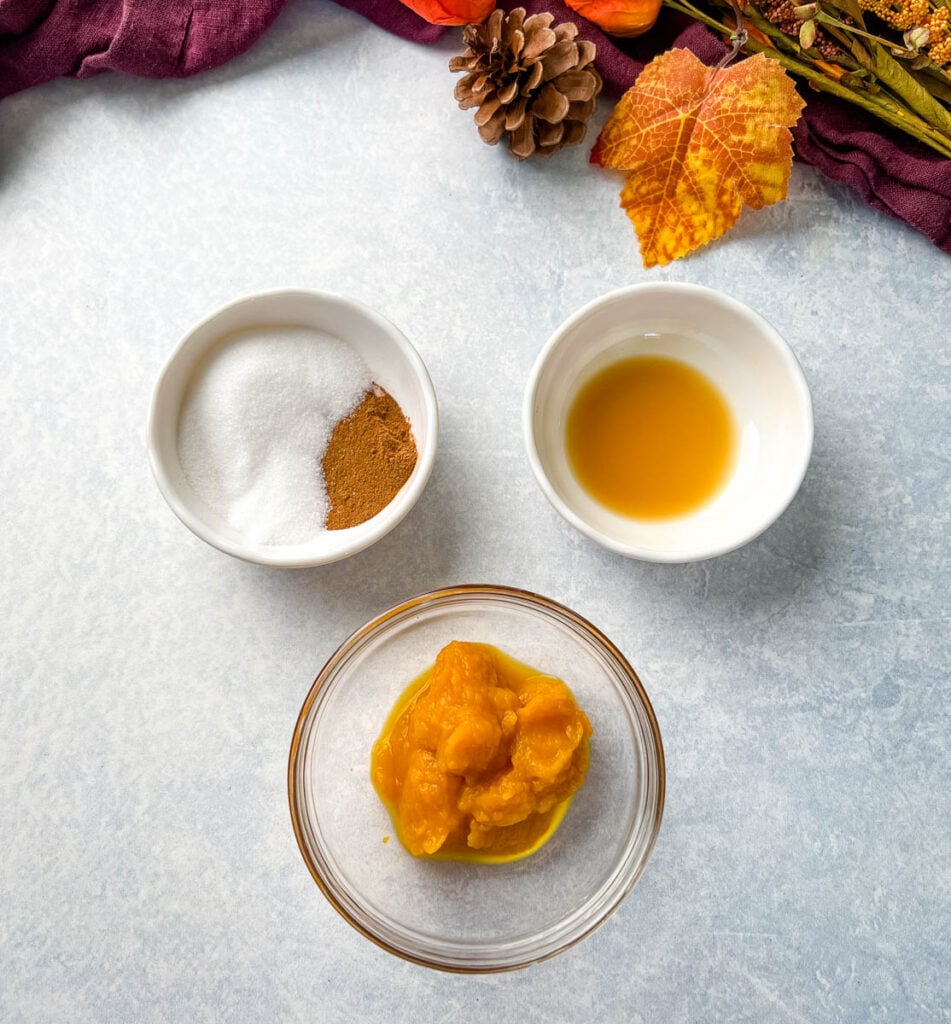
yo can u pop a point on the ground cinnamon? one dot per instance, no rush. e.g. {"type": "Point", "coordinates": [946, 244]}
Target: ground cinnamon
{"type": "Point", "coordinates": [370, 456]}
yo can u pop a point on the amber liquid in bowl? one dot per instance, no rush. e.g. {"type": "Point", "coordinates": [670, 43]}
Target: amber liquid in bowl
{"type": "Point", "coordinates": [650, 437]}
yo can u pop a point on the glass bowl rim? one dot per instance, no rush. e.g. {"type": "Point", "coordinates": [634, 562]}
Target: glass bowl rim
{"type": "Point", "coordinates": [342, 653]}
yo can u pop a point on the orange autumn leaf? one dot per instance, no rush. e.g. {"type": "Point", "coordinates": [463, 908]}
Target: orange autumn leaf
{"type": "Point", "coordinates": [697, 144]}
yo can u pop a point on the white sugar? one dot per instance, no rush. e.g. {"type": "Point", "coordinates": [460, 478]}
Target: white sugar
{"type": "Point", "coordinates": [256, 421]}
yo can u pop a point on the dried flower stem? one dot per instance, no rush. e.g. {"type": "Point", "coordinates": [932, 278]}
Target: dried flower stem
{"type": "Point", "coordinates": [739, 37]}
{"type": "Point", "coordinates": [896, 110]}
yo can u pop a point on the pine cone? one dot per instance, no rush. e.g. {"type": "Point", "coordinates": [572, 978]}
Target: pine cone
{"type": "Point", "coordinates": [529, 80]}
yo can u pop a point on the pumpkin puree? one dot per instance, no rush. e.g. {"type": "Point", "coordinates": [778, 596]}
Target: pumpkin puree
{"type": "Point", "coordinates": [480, 757]}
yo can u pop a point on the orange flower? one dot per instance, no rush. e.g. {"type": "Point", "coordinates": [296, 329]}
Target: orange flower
{"type": "Point", "coordinates": [618, 17]}
{"type": "Point", "coordinates": [452, 12]}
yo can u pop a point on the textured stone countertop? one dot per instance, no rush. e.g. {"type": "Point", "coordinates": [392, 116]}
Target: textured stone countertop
{"type": "Point", "coordinates": [149, 685]}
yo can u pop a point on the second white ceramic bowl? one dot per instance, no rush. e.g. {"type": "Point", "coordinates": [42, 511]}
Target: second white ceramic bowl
{"type": "Point", "coordinates": [732, 346]}
{"type": "Point", "coordinates": [394, 364]}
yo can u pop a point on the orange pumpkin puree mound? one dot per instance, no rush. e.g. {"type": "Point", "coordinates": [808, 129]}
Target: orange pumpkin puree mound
{"type": "Point", "coordinates": [480, 757]}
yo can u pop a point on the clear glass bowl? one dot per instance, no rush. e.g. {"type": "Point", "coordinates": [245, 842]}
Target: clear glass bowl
{"type": "Point", "coordinates": [460, 916]}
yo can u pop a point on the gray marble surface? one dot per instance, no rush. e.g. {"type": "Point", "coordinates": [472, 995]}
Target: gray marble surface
{"type": "Point", "coordinates": [150, 684]}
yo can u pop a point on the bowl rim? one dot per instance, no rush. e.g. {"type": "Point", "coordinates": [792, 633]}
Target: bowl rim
{"type": "Point", "coordinates": [353, 540]}
{"type": "Point", "coordinates": [769, 333]}
{"type": "Point", "coordinates": [295, 802]}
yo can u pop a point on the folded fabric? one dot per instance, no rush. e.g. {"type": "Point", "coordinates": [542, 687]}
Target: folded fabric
{"type": "Point", "coordinates": [395, 18]}
{"type": "Point", "coordinates": [901, 177]}
{"type": "Point", "coordinates": [893, 173]}
{"type": "Point", "coordinates": [43, 39]}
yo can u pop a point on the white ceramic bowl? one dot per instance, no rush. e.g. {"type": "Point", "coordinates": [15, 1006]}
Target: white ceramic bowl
{"type": "Point", "coordinates": [394, 364]}
{"type": "Point", "coordinates": [732, 346]}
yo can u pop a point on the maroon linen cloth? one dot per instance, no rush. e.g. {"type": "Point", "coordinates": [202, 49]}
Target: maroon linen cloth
{"type": "Point", "coordinates": [43, 39]}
